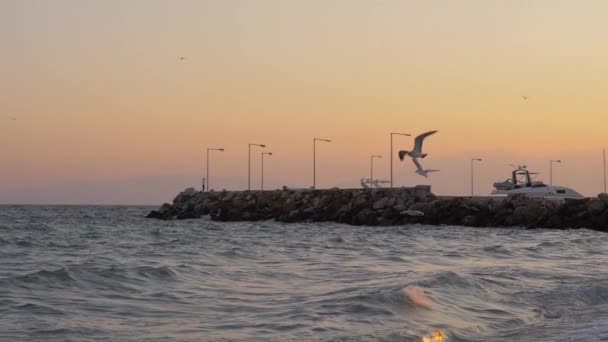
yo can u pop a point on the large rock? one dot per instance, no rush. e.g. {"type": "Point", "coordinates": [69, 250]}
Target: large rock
{"type": "Point", "coordinates": [421, 192]}
{"type": "Point", "coordinates": [604, 197]}
{"type": "Point", "coordinates": [596, 206]}
{"type": "Point", "coordinates": [381, 203]}
{"type": "Point", "coordinates": [366, 217]}
{"type": "Point", "coordinates": [185, 195]}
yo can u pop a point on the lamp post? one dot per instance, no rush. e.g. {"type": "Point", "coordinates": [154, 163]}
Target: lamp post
{"type": "Point", "coordinates": [604, 170]}
{"type": "Point", "coordinates": [551, 169]}
{"type": "Point", "coordinates": [472, 174]}
{"type": "Point", "coordinates": [211, 149]}
{"type": "Point", "coordinates": [391, 154]}
{"type": "Point", "coordinates": [249, 164]}
{"type": "Point", "coordinates": [371, 169]}
{"type": "Point", "coordinates": [264, 154]}
{"type": "Point", "coordinates": [314, 160]}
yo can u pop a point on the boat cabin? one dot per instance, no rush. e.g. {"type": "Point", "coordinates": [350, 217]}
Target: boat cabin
{"type": "Point", "coordinates": [521, 178]}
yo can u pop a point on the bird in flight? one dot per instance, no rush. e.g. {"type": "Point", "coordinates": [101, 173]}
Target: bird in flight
{"type": "Point", "coordinates": [12, 118]}
{"type": "Point", "coordinates": [417, 151]}
{"type": "Point", "coordinates": [422, 171]}
{"type": "Point", "coordinates": [525, 97]}
{"type": "Point", "coordinates": [181, 58]}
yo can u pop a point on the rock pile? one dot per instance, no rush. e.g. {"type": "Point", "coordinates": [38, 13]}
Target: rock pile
{"type": "Point", "coordinates": [384, 207]}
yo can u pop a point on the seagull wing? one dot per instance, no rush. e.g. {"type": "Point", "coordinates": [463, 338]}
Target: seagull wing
{"type": "Point", "coordinates": [420, 139]}
{"type": "Point", "coordinates": [417, 163]}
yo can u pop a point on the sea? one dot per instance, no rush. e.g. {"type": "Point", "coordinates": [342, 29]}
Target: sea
{"type": "Point", "coordinates": [102, 273]}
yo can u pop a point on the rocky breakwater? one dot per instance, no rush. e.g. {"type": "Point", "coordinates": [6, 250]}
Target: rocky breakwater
{"type": "Point", "coordinates": [383, 207]}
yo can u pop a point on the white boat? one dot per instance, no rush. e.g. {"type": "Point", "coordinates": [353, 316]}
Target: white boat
{"type": "Point", "coordinates": [368, 183]}
{"type": "Point", "coordinates": [521, 183]}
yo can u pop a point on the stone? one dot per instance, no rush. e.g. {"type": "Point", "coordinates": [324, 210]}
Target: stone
{"type": "Point", "coordinates": [421, 192]}
{"type": "Point", "coordinates": [469, 220]}
{"type": "Point", "coordinates": [185, 195]}
{"type": "Point", "coordinates": [154, 214]}
{"type": "Point", "coordinates": [421, 206]}
{"type": "Point", "coordinates": [326, 200]}
{"type": "Point", "coordinates": [229, 196]}
{"type": "Point", "coordinates": [366, 217]}
{"type": "Point", "coordinates": [186, 215]}
{"type": "Point", "coordinates": [529, 215]}
{"type": "Point", "coordinates": [359, 201]}
{"type": "Point", "coordinates": [381, 203]}
{"type": "Point", "coordinates": [165, 207]}
{"type": "Point", "coordinates": [200, 209]}
{"type": "Point", "coordinates": [604, 197]}
{"type": "Point", "coordinates": [596, 206]}
{"type": "Point", "coordinates": [400, 207]}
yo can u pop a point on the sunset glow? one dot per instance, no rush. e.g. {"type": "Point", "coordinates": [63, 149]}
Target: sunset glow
{"type": "Point", "coordinates": [106, 112]}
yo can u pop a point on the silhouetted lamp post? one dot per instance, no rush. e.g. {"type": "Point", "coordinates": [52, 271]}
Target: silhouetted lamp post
{"type": "Point", "coordinates": [264, 154]}
{"type": "Point", "coordinates": [391, 154]}
{"type": "Point", "coordinates": [371, 169]}
{"type": "Point", "coordinates": [473, 174]}
{"type": "Point", "coordinates": [314, 160]}
{"type": "Point", "coordinates": [249, 165]}
{"type": "Point", "coordinates": [551, 169]}
{"type": "Point", "coordinates": [211, 149]}
{"type": "Point", "coordinates": [604, 170]}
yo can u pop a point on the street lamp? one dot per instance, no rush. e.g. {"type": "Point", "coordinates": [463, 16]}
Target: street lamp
{"type": "Point", "coordinates": [391, 154]}
{"type": "Point", "coordinates": [211, 149]}
{"type": "Point", "coordinates": [249, 165]}
{"type": "Point", "coordinates": [472, 174]}
{"type": "Point", "coordinates": [264, 154]}
{"type": "Point", "coordinates": [314, 160]}
{"type": "Point", "coordinates": [551, 169]}
{"type": "Point", "coordinates": [604, 170]}
{"type": "Point", "coordinates": [371, 169]}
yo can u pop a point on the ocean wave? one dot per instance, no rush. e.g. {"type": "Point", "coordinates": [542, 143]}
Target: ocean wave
{"type": "Point", "coordinates": [159, 273]}
{"type": "Point", "coordinates": [96, 273]}
{"type": "Point", "coordinates": [38, 309]}
{"type": "Point", "coordinates": [53, 278]}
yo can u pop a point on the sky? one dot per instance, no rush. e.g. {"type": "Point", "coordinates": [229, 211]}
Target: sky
{"type": "Point", "coordinates": [106, 112]}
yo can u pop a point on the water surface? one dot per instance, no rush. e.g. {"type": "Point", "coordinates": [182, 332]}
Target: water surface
{"type": "Point", "coordinates": [108, 274]}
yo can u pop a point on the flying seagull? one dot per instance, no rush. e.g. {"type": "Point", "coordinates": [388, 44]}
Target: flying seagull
{"type": "Point", "coordinates": [12, 118]}
{"type": "Point", "coordinates": [420, 170]}
{"type": "Point", "coordinates": [525, 97]}
{"type": "Point", "coordinates": [181, 58]}
{"type": "Point", "coordinates": [417, 151]}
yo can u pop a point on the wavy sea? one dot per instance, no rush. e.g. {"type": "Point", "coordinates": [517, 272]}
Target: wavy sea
{"type": "Point", "coordinates": [108, 274]}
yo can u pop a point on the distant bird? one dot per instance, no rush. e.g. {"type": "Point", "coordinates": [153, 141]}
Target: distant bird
{"type": "Point", "coordinates": [182, 58]}
{"type": "Point", "coordinates": [12, 118]}
{"type": "Point", "coordinates": [525, 97]}
{"type": "Point", "coordinates": [421, 171]}
{"type": "Point", "coordinates": [417, 151]}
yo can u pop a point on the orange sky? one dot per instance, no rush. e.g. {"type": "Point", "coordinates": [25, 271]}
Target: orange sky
{"type": "Point", "coordinates": [107, 113]}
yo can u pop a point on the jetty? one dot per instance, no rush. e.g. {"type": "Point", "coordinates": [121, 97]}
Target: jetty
{"type": "Point", "coordinates": [387, 207]}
